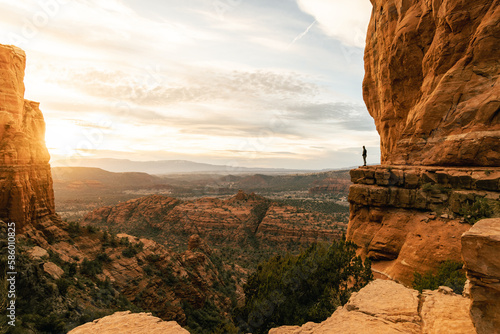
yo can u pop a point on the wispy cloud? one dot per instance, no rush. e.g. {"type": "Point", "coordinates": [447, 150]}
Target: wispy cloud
{"type": "Point", "coordinates": [299, 36]}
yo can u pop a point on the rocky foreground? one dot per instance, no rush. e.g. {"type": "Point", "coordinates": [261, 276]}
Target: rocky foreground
{"type": "Point", "coordinates": [385, 307]}
{"type": "Point", "coordinates": [130, 323]}
{"type": "Point", "coordinates": [382, 307]}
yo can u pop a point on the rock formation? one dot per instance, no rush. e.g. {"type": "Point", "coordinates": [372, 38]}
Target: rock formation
{"type": "Point", "coordinates": [432, 81]}
{"type": "Point", "coordinates": [226, 223]}
{"type": "Point", "coordinates": [410, 219]}
{"type": "Point", "coordinates": [130, 323]}
{"type": "Point", "coordinates": [26, 194]}
{"type": "Point", "coordinates": [432, 87]}
{"type": "Point", "coordinates": [385, 307]}
{"type": "Point", "coordinates": [480, 251]}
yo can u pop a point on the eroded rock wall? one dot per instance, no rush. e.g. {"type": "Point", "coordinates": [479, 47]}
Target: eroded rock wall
{"type": "Point", "coordinates": [410, 219]}
{"type": "Point", "coordinates": [26, 194]}
{"type": "Point", "coordinates": [432, 81]}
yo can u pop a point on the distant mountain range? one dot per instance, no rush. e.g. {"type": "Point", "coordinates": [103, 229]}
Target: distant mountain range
{"type": "Point", "coordinates": [167, 167]}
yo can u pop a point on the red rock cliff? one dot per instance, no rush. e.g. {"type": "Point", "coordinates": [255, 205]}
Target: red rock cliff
{"type": "Point", "coordinates": [432, 81]}
{"type": "Point", "coordinates": [26, 194]}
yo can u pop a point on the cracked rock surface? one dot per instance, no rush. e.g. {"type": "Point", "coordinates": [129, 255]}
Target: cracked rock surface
{"type": "Point", "coordinates": [387, 307]}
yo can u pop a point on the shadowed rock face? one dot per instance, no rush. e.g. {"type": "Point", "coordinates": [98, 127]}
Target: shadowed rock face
{"type": "Point", "coordinates": [26, 194]}
{"type": "Point", "coordinates": [432, 81]}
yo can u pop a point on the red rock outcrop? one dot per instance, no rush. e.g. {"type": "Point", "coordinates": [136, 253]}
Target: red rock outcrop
{"type": "Point", "coordinates": [480, 250]}
{"type": "Point", "coordinates": [410, 219]}
{"type": "Point", "coordinates": [432, 81]}
{"type": "Point", "coordinates": [26, 194]}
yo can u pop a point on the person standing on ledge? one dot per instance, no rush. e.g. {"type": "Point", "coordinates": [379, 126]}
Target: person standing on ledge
{"type": "Point", "coordinates": [364, 156]}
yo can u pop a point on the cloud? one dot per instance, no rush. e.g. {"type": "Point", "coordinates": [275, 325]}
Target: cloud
{"type": "Point", "coordinates": [301, 35]}
{"type": "Point", "coordinates": [198, 89]}
{"type": "Point", "coordinates": [345, 20]}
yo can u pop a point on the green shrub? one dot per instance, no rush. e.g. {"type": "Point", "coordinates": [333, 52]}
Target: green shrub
{"type": "Point", "coordinates": [292, 290]}
{"type": "Point", "coordinates": [90, 268]}
{"type": "Point", "coordinates": [449, 273]}
{"type": "Point", "coordinates": [103, 258]}
{"type": "Point", "coordinates": [63, 285]}
{"type": "Point", "coordinates": [73, 229]}
{"type": "Point", "coordinates": [475, 211]}
{"type": "Point", "coordinates": [130, 251]}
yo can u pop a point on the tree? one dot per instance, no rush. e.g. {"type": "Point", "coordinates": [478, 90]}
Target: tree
{"type": "Point", "coordinates": [292, 290]}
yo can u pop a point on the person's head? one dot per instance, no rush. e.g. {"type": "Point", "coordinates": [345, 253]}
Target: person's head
{"type": "Point", "coordinates": [363, 146]}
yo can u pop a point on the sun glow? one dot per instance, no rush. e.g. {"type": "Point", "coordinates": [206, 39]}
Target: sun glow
{"type": "Point", "coordinates": [64, 137]}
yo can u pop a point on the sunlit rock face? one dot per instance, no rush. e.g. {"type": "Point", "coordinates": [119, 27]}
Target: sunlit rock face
{"type": "Point", "coordinates": [26, 194]}
{"type": "Point", "coordinates": [432, 81]}
{"type": "Point", "coordinates": [385, 307]}
{"type": "Point", "coordinates": [132, 323]}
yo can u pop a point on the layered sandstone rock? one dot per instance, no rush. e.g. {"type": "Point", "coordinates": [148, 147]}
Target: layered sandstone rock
{"type": "Point", "coordinates": [409, 219]}
{"type": "Point", "coordinates": [232, 221]}
{"type": "Point", "coordinates": [26, 194]}
{"type": "Point", "coordinates": [130, 323]}
{"type": "Point", "coordinates": [386, 307]}
{"type": "Point", "coordinates": [480, 251]}
{"type": "Point", "coordinates": [432, 81]}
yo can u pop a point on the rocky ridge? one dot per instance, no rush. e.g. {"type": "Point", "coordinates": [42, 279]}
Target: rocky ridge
{"type": "Point", "coordinates": [243, 218]}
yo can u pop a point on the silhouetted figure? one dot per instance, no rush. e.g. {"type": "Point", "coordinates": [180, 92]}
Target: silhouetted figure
{"type": "Point", "coordinates": [364, 156]}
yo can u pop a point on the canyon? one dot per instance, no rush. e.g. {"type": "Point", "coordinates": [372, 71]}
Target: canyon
{"type": "Point", "coordinates": [68, 274]}
{"type": "Point", "coordinates": [431, 85]}
{"type": "Point", "coordinates": [246, 228]}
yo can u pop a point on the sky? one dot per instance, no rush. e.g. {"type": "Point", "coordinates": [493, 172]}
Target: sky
{"type": "Point", "coordinates": [252, 83]}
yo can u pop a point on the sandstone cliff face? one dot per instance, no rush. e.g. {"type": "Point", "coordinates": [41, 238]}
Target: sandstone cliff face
{"type": "Point", "coordinates": [480, 250]}
{"type": "Point", "coordinates": [432, 81]}
{"type": "Point", "coordinates": [386, 307]}
{"type": "Point", "coordinates": [409, 219]}
{"type": "Point", "coordinates": [26, 194]}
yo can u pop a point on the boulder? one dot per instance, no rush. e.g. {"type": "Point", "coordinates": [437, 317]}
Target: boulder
{"type": "Point", "coordinates": [387, 307]}
{"type": "Point", "coordinates": [480, 251]}
{"type": "Point", "coordinates": [129, 323]}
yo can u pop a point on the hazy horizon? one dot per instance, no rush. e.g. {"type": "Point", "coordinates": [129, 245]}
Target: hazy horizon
{"type": "Point", "coordinates": [224, 82]}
